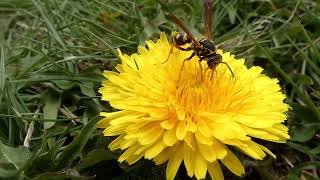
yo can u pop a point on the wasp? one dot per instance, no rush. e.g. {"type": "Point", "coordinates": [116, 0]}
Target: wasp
{"type": "Point", "coordinates": [205, 48]}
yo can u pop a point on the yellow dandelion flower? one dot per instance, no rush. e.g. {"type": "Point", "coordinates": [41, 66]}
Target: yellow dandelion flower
{"type": "Point", "coordinates": [193, 118]}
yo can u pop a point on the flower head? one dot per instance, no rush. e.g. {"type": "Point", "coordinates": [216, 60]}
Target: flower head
{"type": "Point", "coordinates": [193, 116]}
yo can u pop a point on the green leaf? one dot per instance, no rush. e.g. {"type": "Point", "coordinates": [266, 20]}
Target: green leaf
{"type": "Point", "coordinates": [302, 148]}
{"type": "Point", "coordinates": [51, 107]}
{"type": "Point", "coordinates": [303, 79]}
{"type": "Point", "coordinates": [87, 89]}
{"type": "Point", "coordinates": [315, 150]}
{"type": "Point", "coordinates": [303, 133]}
{"type": "Point", "coordinates": [303, 113]}
{"type": "Point", "coordinates": [63, 84]}
{"type": "Point", "coordinates": [71, 152]}
{"type": "Point", "coordinates": [95, 156]}
{"type": "Point", "coordinates": [45, 161]}
{"type": "Point", "coordinates": [16, 157]}
{"type": "Point", "coordinates": [59, 176]}
{"type": "Point", "coordinates": [149, 28]}
{"type": "Point", "coordinates": [16, 3]}
{"type": "Point", "coordinates": [4, 173]}
{"type": "Point", "coordinates": [296, 172]}
{"type": "Point", "coordinates": [232, 12]}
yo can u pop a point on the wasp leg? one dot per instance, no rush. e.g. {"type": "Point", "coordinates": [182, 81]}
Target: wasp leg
{"type": "Point", "coordinates": [201, 59]}
{"type": "Point", "coordinates": [228, 68]}
{"type": "Point", "coordinates": [170, 52]}
{"type": "Point", "coordinates": [187, 59]}
{"type": "Point", "coordinates": [180, 48]}
{"type": "Point", "coordinates": [205, 71]}
{"type": "Point", "coordinates": [185, 49]}
{"type": "Point", "coordinates": [212, 71]}
{"type": "Point", "coordinates": [200, 70]}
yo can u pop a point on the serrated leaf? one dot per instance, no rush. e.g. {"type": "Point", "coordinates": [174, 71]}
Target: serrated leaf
{"type": "Point", "coordinates": [51, 107]}
{"type": "Point", "coordinates": [87, 89]}
{"type": "Point", "coordinates": [149, 28]}
{"type": "Point", "coordinates": [63, 84]}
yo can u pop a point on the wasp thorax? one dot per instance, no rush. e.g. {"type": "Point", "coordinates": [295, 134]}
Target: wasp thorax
{"type": "Point", "coordinates": [208, 44]}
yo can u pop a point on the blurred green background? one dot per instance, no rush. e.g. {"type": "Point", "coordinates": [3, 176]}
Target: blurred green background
{"type": "Point", "coordinates": [52, 54]}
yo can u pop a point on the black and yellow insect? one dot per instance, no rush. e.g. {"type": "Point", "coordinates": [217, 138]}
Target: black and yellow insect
{"type": "Point", "coordinates": [205, 48]}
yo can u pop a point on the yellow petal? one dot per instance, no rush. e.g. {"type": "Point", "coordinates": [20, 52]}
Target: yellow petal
{"type": "Point", "coordinates": [110, 116]}
{"type": "Point", "coordinates": [189, 159]}
{"type": "Point", "coordinates": [129, 152]}
{"type": "Point", "coordinates": [204, 129]}
{"type": "Point", "coordinates": [170, 137]}
{"type": "Point", "coordinates": [174, 163]}
{"type": "Point", "coordinates": [219, 149]}
{"type": "Point", "coordinates": [150, 135]}
{"type": "Point", "coordinates": [253, 150]}
{"type": "Point", "coordinates": [190, 141]}
{"type": "Point", "coordinates": [154, 150]}
{"type": "Point", "coordinates": [134, 158]}
{"type": "Point", "coordinates": [203, 139]}
{"type": "Point", "coordinates": [267, 151]}
{"type": "Point", "coordinates": [115, 130]}
{"type": "Point", "coordinates": [233, 164]}
{"type": "Point", "coordinates": [215, 171]}
{"type": "Point", "coordinates": [168, 124]}
{"type": "Point", "coordinates": [162, 157]}
{"type": "Point", "coordinates": [126, 144]}
{"type": "Point", "coordinates": [181, 130]}
{"type": "Point", "coordinates": [191, 126]}
{"type": "Point", "coordinates": [115, 144]}
{"type": "Point", "coordinates": [228, 130]}
{"type": "Point", "coordinates": [200, 167]}
{"type": "Point", "coordinates": [207, 151]}
{"type": "Point", "coordinates": [125, 119]}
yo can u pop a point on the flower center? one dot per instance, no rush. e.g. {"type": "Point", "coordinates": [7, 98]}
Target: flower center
{"type": "Point", "coordinates": [192, 92]}
{"type": "Point", "coordinates": [198, 89]}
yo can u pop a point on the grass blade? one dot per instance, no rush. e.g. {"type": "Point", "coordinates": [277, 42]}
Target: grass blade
{"type": "Point", "coordinates": [2, 71]}
{"type": "Point", "coordinates": [72, 151]}
{"type": "Point", "coordinates": [307, 100]}
{"type": "Point", "coordinates": [50, 26]}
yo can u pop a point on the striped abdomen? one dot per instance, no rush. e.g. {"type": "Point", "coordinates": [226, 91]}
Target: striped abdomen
{"type": "Point", "coordinates": [180, 38]}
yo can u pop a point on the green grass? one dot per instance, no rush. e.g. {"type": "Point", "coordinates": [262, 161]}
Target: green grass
{"type": "Point", "coordinates": [52, 54]}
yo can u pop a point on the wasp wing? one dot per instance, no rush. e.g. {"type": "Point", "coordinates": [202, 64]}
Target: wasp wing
{"type": "Point", "coordinates": [207, 4]}
{"type": "Point", "coordinates": [185, 29]}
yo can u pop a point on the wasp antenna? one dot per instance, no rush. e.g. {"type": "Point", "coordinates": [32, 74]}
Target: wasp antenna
{"type": "Point", "coordinates": [228, 68]}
